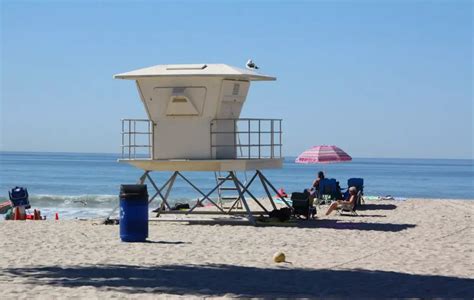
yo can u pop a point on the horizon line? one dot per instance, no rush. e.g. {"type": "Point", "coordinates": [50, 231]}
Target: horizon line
{"type": "Point", "coordinates": [118, 153]}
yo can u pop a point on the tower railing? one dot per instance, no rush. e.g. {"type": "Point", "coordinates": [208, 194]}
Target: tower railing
{"type": "Point", "coordinates": [245, 138]}
{"type": "Point", "coordinates": [254, 138]}
{"type": "Point", "coordinates": [137, 138]}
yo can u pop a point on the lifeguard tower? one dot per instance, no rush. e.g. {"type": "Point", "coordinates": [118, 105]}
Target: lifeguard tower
{"type": "Point", "coordinates": [194, 124]}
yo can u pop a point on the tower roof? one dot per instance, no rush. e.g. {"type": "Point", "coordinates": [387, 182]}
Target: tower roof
{"type": "Point", "coordinates": [207, 70]}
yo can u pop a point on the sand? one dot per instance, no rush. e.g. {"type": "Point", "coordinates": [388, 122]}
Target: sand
{"type": "Point", "coordinates": [413, 248]}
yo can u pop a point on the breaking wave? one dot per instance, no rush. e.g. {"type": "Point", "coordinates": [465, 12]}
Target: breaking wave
{"type": "Point", "coordinates": [76, 201]}
{"type": "Point", "coordinates": [79, 206]}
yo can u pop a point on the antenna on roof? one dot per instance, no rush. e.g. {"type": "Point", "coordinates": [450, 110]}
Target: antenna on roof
{"type": "Point", "coordinates": [251, 65]}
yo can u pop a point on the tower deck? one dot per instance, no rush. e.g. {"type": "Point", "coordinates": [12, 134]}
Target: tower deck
{"type": "Point", "coordinates": [205, 165]}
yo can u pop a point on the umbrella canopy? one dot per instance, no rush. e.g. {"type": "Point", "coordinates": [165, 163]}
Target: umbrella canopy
{"type": "Point", "coordinates": [323, 155]}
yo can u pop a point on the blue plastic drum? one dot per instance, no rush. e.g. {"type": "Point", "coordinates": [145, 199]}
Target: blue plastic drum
{"type": "Point", "coordinates": [133, 212]}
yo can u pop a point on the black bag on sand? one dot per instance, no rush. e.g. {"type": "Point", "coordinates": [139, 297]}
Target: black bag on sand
{"type": "Point", "coordinates": [282, 214]}
{"type": "Point", "coordinates": [179, 206]}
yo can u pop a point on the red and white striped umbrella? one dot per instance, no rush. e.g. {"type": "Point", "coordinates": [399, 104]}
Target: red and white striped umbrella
{"type": "Point", "coordinates": [323, 155]}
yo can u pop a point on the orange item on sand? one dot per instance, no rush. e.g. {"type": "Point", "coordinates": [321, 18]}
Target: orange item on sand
{"type": "Point", "coordinates": [19, 215]}
{"type": "Point", "coordinates": [16, 215]}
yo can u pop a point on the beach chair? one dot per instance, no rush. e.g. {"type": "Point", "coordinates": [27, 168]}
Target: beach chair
{"type": "Point", "coordinates": [19, 197]}
{"type": "Point", "coordinates": [352, 210]}
{"type": "Point", "coordinates": [302, 205]}
{"type": "Point", "coordinates": [358, 183]}
{"type": "Point", "coordinates": [327, 191]}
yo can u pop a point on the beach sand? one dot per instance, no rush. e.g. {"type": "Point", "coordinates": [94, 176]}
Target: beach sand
{"type": "Point", "coordinates": [413, 248]}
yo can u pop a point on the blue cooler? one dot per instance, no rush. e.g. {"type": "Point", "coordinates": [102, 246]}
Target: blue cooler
{"type": "Point", "coordinates": [133, 212]}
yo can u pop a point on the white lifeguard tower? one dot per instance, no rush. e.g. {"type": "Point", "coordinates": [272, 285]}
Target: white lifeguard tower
{"type": "Point", "coordinates": [194, 124]}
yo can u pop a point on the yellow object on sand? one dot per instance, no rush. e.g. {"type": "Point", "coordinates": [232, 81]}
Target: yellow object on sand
{"type": "Point", "coordinates": [279, 257]}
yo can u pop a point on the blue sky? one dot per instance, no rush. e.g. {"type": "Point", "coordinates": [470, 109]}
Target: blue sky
{"type": "Point", "coordinates": [377, 78]}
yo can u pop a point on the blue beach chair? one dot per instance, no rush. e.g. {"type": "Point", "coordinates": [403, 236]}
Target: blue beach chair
{"type": "Point", "coordinates": [19, 197]}
{"type": "Point", "coordinates": [358, 183]}
{"type": "Point", "coordinates": [327, 190]}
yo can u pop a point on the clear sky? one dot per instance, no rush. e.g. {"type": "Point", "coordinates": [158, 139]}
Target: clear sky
{"type": "Point", "coordinates": [378, 78]}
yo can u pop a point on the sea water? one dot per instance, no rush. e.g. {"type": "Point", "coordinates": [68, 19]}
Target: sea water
{"type": "Point", "coordinates": [78, 185]}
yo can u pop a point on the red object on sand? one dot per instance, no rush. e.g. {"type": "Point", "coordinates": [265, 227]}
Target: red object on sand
{"type": "Point", "coordinates": [18, 215]}
{"type": "Point", "coordinates": [282, 193]}
{"type": "Point", "coordinates": [36, 215]}
{"type": "Point", "coordinates": [56, 217]}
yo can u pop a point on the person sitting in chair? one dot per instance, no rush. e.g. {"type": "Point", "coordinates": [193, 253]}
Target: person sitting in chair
{"type": "Point", "coordinates": [315, 184]}
{"type": "Point", "coordinates": [313, 190]}
{"type": "Point", "coordinates": [348, 204]}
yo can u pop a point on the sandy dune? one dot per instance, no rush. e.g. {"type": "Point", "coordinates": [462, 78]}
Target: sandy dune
{"type": "Point", "coordinates": [414, 248]}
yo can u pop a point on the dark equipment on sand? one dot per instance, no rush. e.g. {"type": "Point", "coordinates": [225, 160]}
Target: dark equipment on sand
{"type": "Point", "coordinates": [302, 206]}
{"type": "Point", "coordinates": [19, 197]}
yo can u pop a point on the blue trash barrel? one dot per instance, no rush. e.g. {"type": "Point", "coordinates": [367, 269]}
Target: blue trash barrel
{"type": "Point", "coordinates": [133, 212]}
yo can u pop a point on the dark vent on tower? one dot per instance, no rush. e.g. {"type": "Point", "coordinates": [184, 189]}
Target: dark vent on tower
{"type": "Point", "coordinates": [178, 90]}
{"type": "Point", "coordinates": [235, 90]}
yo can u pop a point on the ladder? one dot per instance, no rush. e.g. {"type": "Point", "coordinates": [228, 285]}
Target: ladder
{"type": "Point", "coordinates": [228, 193]}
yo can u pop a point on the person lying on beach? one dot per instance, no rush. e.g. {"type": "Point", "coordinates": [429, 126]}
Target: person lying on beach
{"type": "Point", "coordinates": [349, 203]}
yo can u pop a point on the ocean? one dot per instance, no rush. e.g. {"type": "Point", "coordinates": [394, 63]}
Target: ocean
{"type": "Point", "coordinates": [83, 185]}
